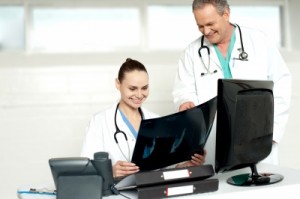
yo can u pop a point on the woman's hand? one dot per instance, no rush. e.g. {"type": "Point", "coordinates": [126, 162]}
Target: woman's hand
{"type": "Point", "coordinates": [123, 168]}
{"type": "Point", "coordinates": [196, 160]}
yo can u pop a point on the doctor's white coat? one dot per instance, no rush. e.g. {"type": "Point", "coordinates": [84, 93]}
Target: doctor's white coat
{"type": "Point", "coordinates": [264, 63]}
{"type": "Point", "coordinates": [100, 135]}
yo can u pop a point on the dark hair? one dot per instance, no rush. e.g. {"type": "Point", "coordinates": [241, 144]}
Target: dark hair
{"type": "Point", "coordinates": [220, 5]}
{"type": "Point", "coordinates": [128, 66]}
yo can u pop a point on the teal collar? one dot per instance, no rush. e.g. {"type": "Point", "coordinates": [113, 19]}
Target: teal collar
{"type": "Point", "coordinates": [225, 61]}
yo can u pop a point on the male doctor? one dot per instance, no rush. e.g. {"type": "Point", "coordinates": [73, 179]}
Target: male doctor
{"type": "Point", "coordinates": [229, 51]}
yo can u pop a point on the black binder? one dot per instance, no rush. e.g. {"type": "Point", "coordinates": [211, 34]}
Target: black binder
{"type": "Point", "coordinates": [166, 183]}
{"type": "Point", "coordinates": [178, 189]}
{"type": "Point", "coordinates": [173, 175]}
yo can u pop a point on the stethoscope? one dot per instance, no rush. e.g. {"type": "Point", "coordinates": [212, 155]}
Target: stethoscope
{"type": "Point", "coordinates": [243, 56]}
{"type": "Point", "coordinates": [118, 131]}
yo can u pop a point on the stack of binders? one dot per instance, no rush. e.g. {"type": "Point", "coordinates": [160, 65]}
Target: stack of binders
{"type": "Point", "coordinates": [166, 183]}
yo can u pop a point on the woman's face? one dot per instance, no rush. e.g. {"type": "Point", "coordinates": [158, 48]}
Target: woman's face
{"type": "Point", "coordinates": [134, 88]}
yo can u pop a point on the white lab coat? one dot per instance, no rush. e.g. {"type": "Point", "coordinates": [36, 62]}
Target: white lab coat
{"type": "Point", "coordinates": [264, 63]}
{"type": "Point", "coordinates": [100, 135]}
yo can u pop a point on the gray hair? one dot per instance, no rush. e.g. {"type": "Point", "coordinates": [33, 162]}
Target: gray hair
{"type": "Point", "coordinates": [220, 5]}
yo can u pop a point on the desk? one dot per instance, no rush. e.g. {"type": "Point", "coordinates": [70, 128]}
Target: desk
{"type": "Point", "coordinates": [288, 188]}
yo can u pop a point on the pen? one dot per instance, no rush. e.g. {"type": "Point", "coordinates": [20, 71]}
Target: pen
{"type": "Point", "coordinates": [38, 191]}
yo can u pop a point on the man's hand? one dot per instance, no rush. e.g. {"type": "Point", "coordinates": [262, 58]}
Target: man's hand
{"type": "Point", "coordinates": [196, 160]}
{"type": "Point", "coordinates": [186, 106]}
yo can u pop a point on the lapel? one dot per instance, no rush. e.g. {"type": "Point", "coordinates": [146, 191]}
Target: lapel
{"type": "Point", "coordinates": [235, 52]}
{"type": "Point", "coordinates": [213, 56]}
{"type": "Point", "coordinates": [237, 45]}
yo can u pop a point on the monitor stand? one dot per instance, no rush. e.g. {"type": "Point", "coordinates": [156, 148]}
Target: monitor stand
{"type": "Point", "coordinates": [255, 178]}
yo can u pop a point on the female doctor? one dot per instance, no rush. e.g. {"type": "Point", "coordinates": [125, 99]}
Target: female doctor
{"type": "Point", "coordinates": [115, 129]}
{"type": "Point", "coordinates": [227, 50]}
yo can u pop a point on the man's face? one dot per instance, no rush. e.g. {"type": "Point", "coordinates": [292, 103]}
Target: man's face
{"type": "Point", "coordinates": [211, 24]}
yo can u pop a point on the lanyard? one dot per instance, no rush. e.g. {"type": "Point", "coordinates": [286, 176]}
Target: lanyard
{"type": "Point", "coordinates": [225, 61]}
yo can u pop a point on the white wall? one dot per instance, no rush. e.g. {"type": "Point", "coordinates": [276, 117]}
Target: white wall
{"type": "Point", "coordinates": [290, 146]}
{"type": "Point", "coordinates": [46, 104]}
{"type": "Point", "coordinates": [293, 6]}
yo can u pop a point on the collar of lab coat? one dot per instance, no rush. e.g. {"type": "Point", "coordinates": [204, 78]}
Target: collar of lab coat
{"type": "Point", "coordinates": [235, 52]}
{"type": "Point", "coordinates": [120, 122]}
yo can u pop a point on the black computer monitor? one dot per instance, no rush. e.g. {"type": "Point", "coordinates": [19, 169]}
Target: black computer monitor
{"type": "Point", "coordinates": [245, 117]}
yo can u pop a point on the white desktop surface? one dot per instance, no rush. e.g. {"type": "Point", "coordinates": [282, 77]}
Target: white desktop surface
{"type": "Point", "coordinates": [288, 188]}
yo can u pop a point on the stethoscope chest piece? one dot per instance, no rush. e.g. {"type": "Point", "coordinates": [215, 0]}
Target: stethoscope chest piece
{"type": "Point", "coordinates": [243, 56]}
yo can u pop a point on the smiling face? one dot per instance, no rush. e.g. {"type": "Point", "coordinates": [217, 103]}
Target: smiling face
{"type": "Point", "coordinates": [134, 88]}
{"type": "Point", "coordinates": [213, 25]}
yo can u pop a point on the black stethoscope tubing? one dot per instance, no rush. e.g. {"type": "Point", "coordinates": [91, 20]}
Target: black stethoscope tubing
{"type": "Point", "coordinates": [118, 131]}
{"type": "Point", "coordinates": [243, 56]}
